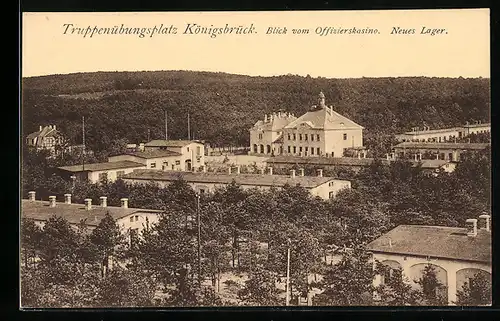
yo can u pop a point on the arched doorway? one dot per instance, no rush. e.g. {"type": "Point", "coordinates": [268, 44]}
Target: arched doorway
{"type": "Point", "coordinates": [392, 273]}
{"type": "Point", "coordinates": [465, 276]}
{"type": "Point", "coordinates": [417, 271]}
{"type": "Point", "coordinates": [188, 165]}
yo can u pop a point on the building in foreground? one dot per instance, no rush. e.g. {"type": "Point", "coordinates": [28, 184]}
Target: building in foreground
{"type": "Point", "coordinates": [319, 132]}
{"type": "Point", "coordinates": [443, 151]}
{"type": "Point", "coordinates": [203, 182]}
{"type": "Point", "coordinates": [457, 254]}
{"type": "Point", "coordinates": [130, 220]}
{"type": "Point", "coordinates": [97, 172]}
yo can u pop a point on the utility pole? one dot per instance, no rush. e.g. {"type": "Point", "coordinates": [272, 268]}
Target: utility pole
{"type": "Point", "coordinates": [189, 129]}
{"type": "Point", "coordinates": [287, 303]}
{"type": "Point", "coordinates": [199, 236]}
{"type": "Point", "coordinates": [166, 126]}
{"type": "Point", "coordinates": [83, 140]}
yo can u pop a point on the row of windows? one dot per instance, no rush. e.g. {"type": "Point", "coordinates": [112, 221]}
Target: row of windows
{"type": "Point", "coordinates": [305, 149]}
{"type": "Point", "coordinates": [165, 164]}
{"type": "Point", "coordinates": [304, 137]}
{"type": "Point", "coordinates": [132, 218]}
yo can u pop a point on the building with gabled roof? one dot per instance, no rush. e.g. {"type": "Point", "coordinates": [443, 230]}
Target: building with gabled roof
{"type": "Point", "coordinates": [457, 254]}
{"type": "Point", "coordinates": [47, 137]}
{"type": "Point", "coordinates": [98, 172]}
{"type": "Point", "coordinates": [319, 132]}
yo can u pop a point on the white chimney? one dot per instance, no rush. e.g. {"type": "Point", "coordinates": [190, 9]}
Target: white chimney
{"type": "Point", "coordinates": [387, 156]}
{"type": "Point", "coordinates": [292, 173]}
{"type": "Point", "coordinates": [67, 198]}
{"type": "Point", "coordinates": [104, 201]}
{"type": "Point", "coordinates": [238, 169]}
{"type": "Point", "coordinates": [141, 147]}
{"type": "Point", "coordinates": [320, 172]}
{"type": "Point", "coordinates": [471, 225]}
{"type": "Point", "coordinates": [52, 200]}
{"type": "Point", "coordinates": [229, 170]}
{"type": "Point", "coordinates": [416, 156]}
{"type": "Point", "coordinates": [54, 127]}
{"type": "Point", "coordinates": [484, 221]}
{"type": "Point", "coordinates": [41, 128]}
{"type": "Point", "coordinates": [437, 156]}
{"type": "Point", "coordinates": [265, 118]}
{"type": "Point", "coordinates": [124, 202]}
{"type": "Point", "coordinates": [31, 195]}
{"type": "Point", "coordinates": [88, 204]}
{"type": "Point", "coordinates": [301, 171]}
{"type": "Point", "coordinates": [270, 170]}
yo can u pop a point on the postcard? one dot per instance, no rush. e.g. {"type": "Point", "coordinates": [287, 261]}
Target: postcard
{"type": "Point", "coordinates": [260, 158]}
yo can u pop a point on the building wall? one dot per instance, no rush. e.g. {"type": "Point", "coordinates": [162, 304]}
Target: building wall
{"type": "Point", "coordinates": [450, 272]}
{"type": "Point", "coordinates": [138, 220]}
{"type": "Point", "coordinates": [338, 140]}
{"type": "Point", "coordinates": [112, 174]}
{"type": "Point", "coordinates": [295, 143]}
{"type": "Point", "coordinates": [426, 136]}
{"type": "Point", "coordinates": [442, 153]}
{"type": "Point", "coordinates": [477, 129]}
{"type": "Point", "coordinates": [265, 144]}
{"type": "Point", "coordinates": [322, 191]}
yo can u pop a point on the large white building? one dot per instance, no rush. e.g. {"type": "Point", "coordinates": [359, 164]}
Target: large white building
{"type": "Point", "coordinates": [457, 254]}
{"type": "Point", "coordinates": [320, 132]}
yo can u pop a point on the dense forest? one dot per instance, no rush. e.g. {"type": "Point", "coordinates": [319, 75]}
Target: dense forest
{"type": "Point", "coordinates": [222, 107]}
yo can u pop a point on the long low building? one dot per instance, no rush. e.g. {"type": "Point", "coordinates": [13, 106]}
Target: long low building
{"type": "Point", "coordinates": [130, 220]}
{"type": "Point", "coordinates": [355, 164]}
{"type": "Point", "coordinates": [457, 254]}
{"type": "Point", "coordinates": [443, 151]}
{"type": "Point", "coordinates": [323, 187]}
{"type": "Point", "coordinates": [97, 172]}
{"type": "Point", "coordinates": [442, 135]}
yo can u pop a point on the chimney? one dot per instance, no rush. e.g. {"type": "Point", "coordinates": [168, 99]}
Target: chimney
{"type": "Point", "coordinates": [265, 118]}
{"type": "Point", "coordinates": [292, 173]}
{"type": "Point", "coordinates": [204, 168]}
{"type": "Point", "coordinates": [104, 201]}
{"type": "Point", "coordinates": [124, 202]}
{"type": "Point", "coordinates": [301, 171]}
{"type": "Point", "coordinates": [31, 195]}
{"type": "Point", "coordinates": [387, 156]}
{"type": "Point", "coordinates": [54, 127]}
{"type": "Point", "coordinates": [484, 222]}
{"type": "Point", "coordinates": [141, 147]}
{"type": "Point", "coordinates": [229, 170]}
{"type": "Point", "coordinates": [270, 170]}
{"type": "Point", "coordinates": [52, 200]}
{"type": "Point", "coordinates": [41, 128]}
{"type": "Point", "coordinates": [416, 157]}
{"type": "Point", "coordinates": [238, 169]}
{"type": "Point", "coordinates": [390, 242]}
{"type": "Point", "coordinates": [88, 204]}
{"type": "Point", "coordinates": [320, 172]}
{"type": "Point", "coordinates": [67, 198]}
{"type": "Point", "coordinates": [471, 225]}
{"type": "Point", "coordinates": [437, 156]}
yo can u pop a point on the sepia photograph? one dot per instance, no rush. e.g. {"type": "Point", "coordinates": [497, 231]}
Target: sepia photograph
{"type": "Point", "coordinates": [255, 159]}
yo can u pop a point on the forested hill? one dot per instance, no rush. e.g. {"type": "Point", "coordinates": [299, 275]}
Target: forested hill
{"type": "Point", "coordinates": [223, 106]}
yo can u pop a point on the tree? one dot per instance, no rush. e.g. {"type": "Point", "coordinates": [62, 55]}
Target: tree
{"type": "Point", "coordinates": [477, 291]}
{"type": "Point", "coordinates": [30, 234]}
{"type": "Point", "coordinates": [398, 291]}
{"type": "Point", "coordinates": [349, 282]}
{"type": "Point", "coordinates": [431, 287]}
{"type": "Point", "coordinates": [260, 289]}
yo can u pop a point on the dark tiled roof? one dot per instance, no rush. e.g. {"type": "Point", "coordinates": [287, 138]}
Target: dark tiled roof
{"type": "Point", "coordinates": [154, 153]}
{"type": "Point", "coordinates": [430, 145]}
{"type": "Point", "coordinates": [220, 178]}
{"type": "Point", "coordinates": [74, 213]}
{"type": "Point", "coordinates": [102, 166]}
{"type": "Point", "coordinates": [170, 143]}
{"type": "Point", "coordinates": [435, 241]}
{"type": "Point", "coordinates": [432, 163]}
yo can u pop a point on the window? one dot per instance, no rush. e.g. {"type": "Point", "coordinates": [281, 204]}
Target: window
{"type": "Point", "coordinates": [317, 137]}
{"type": "Point", "coordinates": [120, 174]}
{"type": "Point", "coordinates": [198, 159]}
{"type": "Point", "coordinates": [177, 162]}
{"type": "Point", "coordinates": [288, 136]}
{"type": "Point", "coordinates": [131, 219]}
{"type": "Point", "coordinates": [330, 195]}
{"type": "Point", "coordinates": [300, 136]}
{"type": "Point", "coordinates": [294, 149]}
{"type": "Point", "coordinates": [153, 165]}
{"type": "Point", "coordinates": [289, 149]}
{"type": "Point", "coordinates": [345, 136]}
{"type": "Point", "coordinates": [202, 191]}
{"type": "Point", "coordinates": [312, 137]}
{"type": "Point", "coordinates": [318, 151]}
{"type": "Point", "coordinates": [165, 164]}
{"type": "Point", "coordinates": [305, 136]}
{"type": "Point", "coordinates": [312, 150]}
{"type": "Point", "coordinates": [294, 137]}
{"type": "Point", "coordinates": [136, 218]}
{"type": "Point", "coordinates": [300, 149]}
{"type": "Point", "coordinates": [103, 177]}
{"type": "Point", "coordinates": [198, 150]}
{"type": "Point", "coordinates": [268, 149]}
{"type": "Point", "coordinates": [260, 136]}
{"type": "Point", "coordinates": [306, 148]}
{"type": "Point", "coordinates": [188, 149]}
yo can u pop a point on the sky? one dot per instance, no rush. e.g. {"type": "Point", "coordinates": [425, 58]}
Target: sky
{"type": "Point", "coordinates": [463, 51]}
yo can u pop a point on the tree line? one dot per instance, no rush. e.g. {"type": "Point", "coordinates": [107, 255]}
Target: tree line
{"type": "Point", "coordinates": [222, 107]}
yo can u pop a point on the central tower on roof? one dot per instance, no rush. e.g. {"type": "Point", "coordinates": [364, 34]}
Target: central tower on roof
{"type": "Point", "coordinates": [321, 100]}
